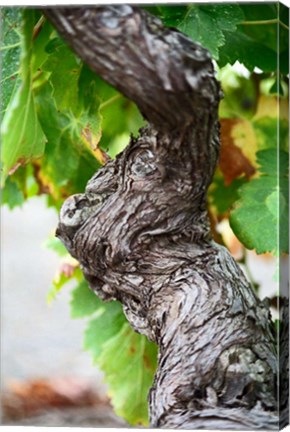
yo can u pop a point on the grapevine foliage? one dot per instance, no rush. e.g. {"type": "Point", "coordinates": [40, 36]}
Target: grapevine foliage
{"type": "Point", "coordinates": [60, 123]}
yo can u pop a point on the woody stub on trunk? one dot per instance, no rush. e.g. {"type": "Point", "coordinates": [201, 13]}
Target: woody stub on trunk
{"type": "Point", "coordinates": [141, 232]}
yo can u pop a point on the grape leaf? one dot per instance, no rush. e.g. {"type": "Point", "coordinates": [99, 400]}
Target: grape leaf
{"type": "Point", "coordinates": [42, 33]}
{"type": "Point", "coordinates": [84, 301]}
{"type": "Point", "coordinates": [273, 163]}
{"type": "Point", "coordinates": [11, 195]}
{"type": "Point", "coordinates": [65, 69]}
{"type": "Point", "coordinates": [224, 196]}
{"type": "Point", "coordinates": [257, 43]}
{"type": "Point", "coordinates": [128, 360]}
{"type": "Point", "coordinates": [107, 324]}
{"type": "Point", "coordinates": [260, 217]}
{"type": "Point", "coordinates": [266, 132]}
{"type": "Point", "coordinates": [129, 363]}
{"type": "Point", "coordinates": [68, 271]}
{"type": "Point", "coordinates": [68, 163]}
{"type": "Point", "coordinates": [11, 20]}
{"type": "Point", "coordinates": [245, 49]}
{"type": "Point", "coordinates": [120, 118]}
{"type": "Point", "coordinates": [267, 33]}
{"type": "Point", "coordinates": [69, 110]}
{"type": "Point", "coordinates": [205, 24]}
{"type": "Point", "coordinates": [22, 136]}
{"type": "Point", "coordinates": [54, 244]}
{"type": "Point", "coordinates": [19, 186]}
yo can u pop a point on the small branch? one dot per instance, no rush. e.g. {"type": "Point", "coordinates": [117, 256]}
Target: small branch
{"type": "Point", "coordinates": [264, 22]}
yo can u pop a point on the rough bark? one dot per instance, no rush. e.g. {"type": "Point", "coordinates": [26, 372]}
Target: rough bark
{"type": "Point", "coordinates": [141, 232]}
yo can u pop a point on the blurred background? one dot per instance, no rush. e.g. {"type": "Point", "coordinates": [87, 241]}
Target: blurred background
{"type": "Point", "coordinates": [44, 368]}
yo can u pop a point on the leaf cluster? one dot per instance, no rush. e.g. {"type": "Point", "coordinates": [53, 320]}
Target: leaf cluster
{"type": "Point", "coordinates": [57, 123]}
{"type": "Point", "coordinates": [235, 32]}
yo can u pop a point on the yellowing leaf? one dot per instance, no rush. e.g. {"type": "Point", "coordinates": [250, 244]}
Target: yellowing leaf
{"type": "Point", "coordinates": [92, 143]}
{"type": "Point", "coordinates": [233, 163]}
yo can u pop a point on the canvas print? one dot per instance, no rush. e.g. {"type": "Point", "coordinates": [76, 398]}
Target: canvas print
{"type": "Point", "coordinates": [150, 144]}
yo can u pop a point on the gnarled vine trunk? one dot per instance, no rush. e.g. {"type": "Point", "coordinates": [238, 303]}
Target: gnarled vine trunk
{"type": "Point", "coordinates": [141, 232]}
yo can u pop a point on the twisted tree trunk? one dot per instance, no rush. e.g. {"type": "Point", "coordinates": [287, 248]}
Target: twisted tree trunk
{"type": "Point", "coordinates": [141, 232]}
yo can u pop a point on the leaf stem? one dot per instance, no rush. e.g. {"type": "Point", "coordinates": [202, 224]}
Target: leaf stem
{"type": "Point", "coordinates": [38, 26]}
{"type": "Point", "coordinates": [265, 22]}
{"type": "Point", "coordinates": [110, 101]}
{"type": "Point", "coordinates": [6, 47]}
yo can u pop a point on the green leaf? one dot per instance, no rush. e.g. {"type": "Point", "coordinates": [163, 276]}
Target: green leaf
{"type": "Point", "coordinates": [84, 301]}
{"type": "Point", "coordinates": [54, 244]}
{"type": "Point", "coordinates": [11, 195]}
{"type": "Point", "coordinates": [277, 88]}
{"type": "Point", "coordinates": [273, 163]}
{"type": "Point", "coordinates": [205, 24]}
{"type": "Point", "coordinates": [243, 48]}
{"type": "Point", "coordinates": [266, 132]}
{"type": "Point", "coordinates": [257, 42]}
{"type": "Point", "coordinates": [223, 197]}
{"type": "Point", "coordinates": [11, 19]}
{"type": "Point", "coordinates": [127, 359]}
{"type": "Point", "coordinates": [61, 279]}
{"type": "Point", "coordinates": [22, 136]}
{"type": "Point", "coordinates": [42, 33]}
{"type": "Point", "coordinates": [120, 118]}
{"type": "Point", "coordinates": [18, 187]}
{"type": "Point", "coordinates": [100, 329]}
{"type": "Point", "coordinates": [56, 286]}
{"type": "Point", "coordinates": [129, 362]}
{"type": "Point", "coordinates": [63, 131]}
{"type": "Point", "coordinates": [266, 32]}
{"type": "Point", "coordinates": [260, 218]}
{"type": "Point", "coordinates": [65, 69]}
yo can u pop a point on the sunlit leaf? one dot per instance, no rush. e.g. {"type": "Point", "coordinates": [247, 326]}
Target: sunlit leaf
{"type": "Point", "coordinates": [129, 362]}
{"type": "Point", "coordinates": [260, 217]}
{"type": "Point", "coordinates": [67, 271]}
{"type": "Point", "coordinates": [22, 135]}
{"type": "Point", "coordinates": [54, 244]}
{"type": "Point", "coordinates": [12, 195]}
{"type": "Point", "coordinates": [107, 324]}
{"type": "Point", "coordinates": [63, 132]}
{"type": "Point", "coordinates": [84, 301]}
